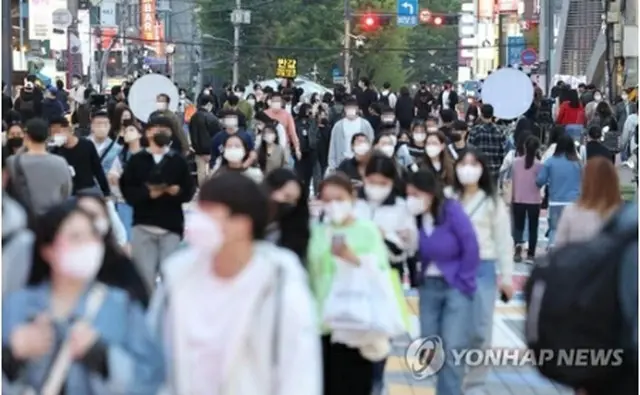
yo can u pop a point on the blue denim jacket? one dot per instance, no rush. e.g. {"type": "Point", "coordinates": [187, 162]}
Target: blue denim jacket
{"type": "Point", "coordinates": [134, 359]}
{"type": "Point", "coordinates": [564, 178]}
{"type": "Point", "coordinates": [111, 156]}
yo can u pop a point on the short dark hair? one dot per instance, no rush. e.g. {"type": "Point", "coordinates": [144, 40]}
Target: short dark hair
{"type": "Point", "coordinates": [203, 100]}
{"type": "Point", "coordinates": [365, 81]}
{"type": "Point", "coordinates": [487, 111]}
{"type": "Point", "coordinates": [59, 84]}
{"type": "Point", "coordinates": [241, 195]}
{"type": "Point", "coordinates": [164, 96]}
{"type": "Point", "coordinates": [233, 100]}
{"type": "Point", "coordinates": [38, 130]}
{"type": "Point", "coordinates": [158, 120]}
{"type": "Point", "coordinates": [351, 103]}
{"type": "Point", "coordinates": [338, 179]}
{"type": "Point", "coordinates": [239, 88]}
{"type": "Point", "coordinates": [386, 85]}
{"type": "Point", "coordinates": [115, 90]}
{"type": "Point", "coordinates": [459, 125]}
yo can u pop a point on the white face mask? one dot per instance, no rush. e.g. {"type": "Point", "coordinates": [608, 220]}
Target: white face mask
{"type": "Point", "coordinates": [230, 122]}
{"type": "Point", "coordinates": [234, 154]}
{"type": "Point", "coordinates": [419, 137]}
{"type": "Point", "coordinates": [468, 174]}
{"type": "Point", "coordinates": [377, 193]}
{"type": "Point", "coordinates": [432, 150]}
{"type": "Point", "coordinates": [287, 107]}
{"type": "Point", "coordinates": [59, 140]}
{"type": "Point", "coordinates": [275, 105]}
{"type": "Point", "coordinates": [387, 150]}
{"type": "Point", "coordinates": [416, 205]}
{"type": "Point", "coordinates": [361, 149]}
{"type": "Point", "coordinates": [161, 105]}
{"type": "Point", "coordinates": [82, 262]}
{"type": "Point", "coordinates": [206, 92]}
{"type": "Point", "coordinates": [251, 102]}
{"type": "Point", "coordinates": [269, 137]}
{"type": "Point", "coordinates": [597, 97]}
{"type": "Point", "coordinates": [75, 83]}
{"type": "Point", "coordinates": [625, 97]}
{"type": "Point", "coordinates": [388, 119]}
{"type": "Point", "coordinates": [338, 211]}
{"type": "Point", "coordinates": [351, 112]}
{"type": "Point", "coordinates": [130, 135]}
{"type": "Point", "coordinates": [203, 233]}
{"type": "Point", "coordinates": [182, 95]}
{"type": "Point", "coordinates": [102, 225]}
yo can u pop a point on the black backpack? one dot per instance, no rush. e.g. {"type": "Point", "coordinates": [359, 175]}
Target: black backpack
{"type": "Point", "coordinates": [384, 99]}
{"type": "Point", "coordinates": [572, 304]}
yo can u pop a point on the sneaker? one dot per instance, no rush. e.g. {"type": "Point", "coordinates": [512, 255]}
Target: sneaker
{"type": "Point", "coordinates": [517, 255]}
{"type": "Point", "coordinates": [530, 259]}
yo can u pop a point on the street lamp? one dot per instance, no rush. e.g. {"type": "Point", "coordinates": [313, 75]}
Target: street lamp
{"type": "Point", "coordinates": [214, 38]}
{"type": "Point", "coordinates": [169, 51]}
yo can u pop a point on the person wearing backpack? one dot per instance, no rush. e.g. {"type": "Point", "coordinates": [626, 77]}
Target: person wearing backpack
{"type": "Point", "coordinates": [28, 103]}
{"type": "Point", "coordinates": [584, 296]}
{"type": "Point", "coordinates": [387, 97]}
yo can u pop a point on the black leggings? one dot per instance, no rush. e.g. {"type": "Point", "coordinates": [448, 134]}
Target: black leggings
{"type": "Point", "coordinates": [521, 212]}
{"type": "Point", "coordinates": [346, 372]}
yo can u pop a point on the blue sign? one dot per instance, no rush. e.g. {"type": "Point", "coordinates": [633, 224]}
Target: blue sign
{"type": "Point", "coordinates": [335, 72]}
{"type": "Point", "coordinates": [515, 46]}
{"type": "Point", "coordinates": [529, 56]}
{"type": "Point", "coordinates": [407, 11]}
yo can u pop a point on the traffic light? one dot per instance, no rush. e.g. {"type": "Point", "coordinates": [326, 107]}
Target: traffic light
{"type": "Point", "coordinates": [429, 18]}
{"type": "Point", "coordinates": [372, 21]}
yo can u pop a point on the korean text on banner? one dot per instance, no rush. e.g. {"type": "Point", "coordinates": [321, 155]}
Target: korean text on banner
{"type": "Point", "coordinates": [286, 68]}
{"type": "Point", "coordinates": [40, 18]}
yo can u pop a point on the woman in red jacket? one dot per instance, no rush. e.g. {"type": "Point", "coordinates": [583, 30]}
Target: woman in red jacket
{"type": "Point", "coordinates": [571, 115]}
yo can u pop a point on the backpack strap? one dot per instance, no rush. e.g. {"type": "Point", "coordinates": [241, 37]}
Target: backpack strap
{"type": "Point", "coordinates": [106, 151]}
{"type": "Point", "coordinates": [23, 184]}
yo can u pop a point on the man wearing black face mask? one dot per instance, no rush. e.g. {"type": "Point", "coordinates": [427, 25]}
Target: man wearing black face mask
{"type": "Point", "coordinates": [156, 182]}
{"type": "Point", "coordinates": [307, 130]}
{"type": "Point", "coordinates": [423, 100]}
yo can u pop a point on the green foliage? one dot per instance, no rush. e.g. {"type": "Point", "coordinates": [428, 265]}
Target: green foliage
{"type": "Point", "coordinates": [423, 37]}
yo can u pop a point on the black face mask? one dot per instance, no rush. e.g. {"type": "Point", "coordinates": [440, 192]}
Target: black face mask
{"type": "Point", "coordinates": [284, 209]}
{"type": "Point", "coordinates": [161, 139]}
{"type": "Point", "coordinates": [144, 142]}
{"type": "Point", "coordinates": [14, 143]}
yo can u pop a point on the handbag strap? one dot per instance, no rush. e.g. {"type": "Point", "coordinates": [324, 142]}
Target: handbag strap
{"type": "Point", "coordinates": [21, 175]}
{"type": "Point", "coordinates": [275, 353]}
{"type": "Point", "coordinates": [60, 368]}
{"type": "Point", "coordinates": [106, 151]}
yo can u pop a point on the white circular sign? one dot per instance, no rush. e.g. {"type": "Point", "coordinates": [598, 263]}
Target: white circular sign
{"type": "Point", "coordinates": [509, 91]}
{"type": "Point", "coordinates": [61, 18]}
{"type": "Point", "coordinates": [143, 93]}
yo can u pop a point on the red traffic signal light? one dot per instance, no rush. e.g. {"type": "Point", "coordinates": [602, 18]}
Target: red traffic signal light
{"type": "Point", "coordinates": [370, 21]}
{"type": "Point", "coordinates": [437, 21]}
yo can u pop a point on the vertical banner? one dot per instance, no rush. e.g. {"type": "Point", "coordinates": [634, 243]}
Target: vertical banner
{"type": "Point", "coordinates": [515, 46]}
{"type": "Point", "coordinates": [486, 9]}
{"type": "Point", "coordinates": [160, 44]}
{"type": "Point", "coordinates": [41, 18]}
{"type": "Point", "coordinates": [148, 21]}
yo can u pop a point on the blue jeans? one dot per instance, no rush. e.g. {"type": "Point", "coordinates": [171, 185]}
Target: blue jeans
{"type": "Point", "coordinates": [444, 312]}
{"type": "Point", "coordinates": [575, 131]}
{"type": "Point", "coordinates": [125, 212]}
{"type": "Point", "coordinates": [484, 302]}
{"type": "Point", "coordinates": [553, 217]}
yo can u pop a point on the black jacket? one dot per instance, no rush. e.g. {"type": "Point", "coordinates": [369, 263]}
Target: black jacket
{"type": "Point", "coordinates": [203, 125]}
{"type": "Point", "coordinates": [453, 99]}
{"type": "Point", "coordinates": [307, 131]}
{"type": "Point", "coordinates": [165, 211]}
{"type": "Point", "coordinates": [422, 101]}
{"type": "Point", "coordinates": [404, 111]}
{"type": "Point", "coordinates": [28, 105]}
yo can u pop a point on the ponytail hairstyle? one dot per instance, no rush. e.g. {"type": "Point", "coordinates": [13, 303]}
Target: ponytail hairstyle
{"type": "Point", "coordinates": [531, 147]}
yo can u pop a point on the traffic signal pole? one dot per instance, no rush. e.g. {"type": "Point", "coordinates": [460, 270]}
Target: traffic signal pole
{"type": "Point", "coordinates": [347, 46]}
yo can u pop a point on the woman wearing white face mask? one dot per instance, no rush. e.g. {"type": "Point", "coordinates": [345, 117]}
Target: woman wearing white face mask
{"type": "Point", "coordinates": [418, 141]}
{"type": "Point", "coordinates": [234, 154]}
{"type": "Point", "coordinates": [341, 240]}
{"type": "Point", "coordinates": [386, 144]}
{"type": "Point", "coordinates": [354, 167]}
{"type": "Point", "coordinates": [437, 159]}
{"type": "Point", "coordinates": [490, 220]}
{"type": "Point", "coordinates": [271, 155]}
{"type": "Point", "coordinates": [257, 330]}
{"type": "Point", "coordinates": [70, 299]}
{"type": "Point", "coordinates": [380, 202]}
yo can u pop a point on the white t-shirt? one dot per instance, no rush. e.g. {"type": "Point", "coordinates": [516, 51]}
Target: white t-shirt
{"type": "Point", "coordinates": [207, 326]}
{"type": "Point", "coordinates": [350, 128]}
{"type": "Point", "coordinates": [445, 100]}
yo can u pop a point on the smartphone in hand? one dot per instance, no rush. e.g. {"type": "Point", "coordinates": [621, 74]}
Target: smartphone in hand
{"type": "Point", "coordinates": [503, 297]}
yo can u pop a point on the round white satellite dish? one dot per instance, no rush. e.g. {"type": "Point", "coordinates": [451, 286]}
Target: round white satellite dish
{"type": "Point", "coordinates": [509, 91]}
{"type": "Point", "coordinates": [144, 91]}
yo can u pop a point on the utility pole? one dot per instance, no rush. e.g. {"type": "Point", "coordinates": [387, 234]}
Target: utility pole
{"type": "Point", "coordinates": [74, 58]}
{"type": "Point", "coordinates": [501, 41]}
{"type": "Point", "coordinates": [347, 46]}
{"type": "Point", "coordinates": [546, 41]}
{"type": "Point", "coordinates": [7, 54]}
{"type": "Point", "coordinates": [236, 45]}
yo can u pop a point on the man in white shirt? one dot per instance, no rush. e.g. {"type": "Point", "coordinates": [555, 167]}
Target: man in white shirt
{"type": "Point", "coordinates": [76, 93]}
{"type": "Point", "coordinates": [387, 97]}
{"type": "Point", "coordinates": [343, 132]}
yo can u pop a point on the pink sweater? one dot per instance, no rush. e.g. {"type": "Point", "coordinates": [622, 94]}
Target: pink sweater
{"type": "Point", "coordinates": [524, 186]}
{"type": "Point", "coordinates": [286, 120]}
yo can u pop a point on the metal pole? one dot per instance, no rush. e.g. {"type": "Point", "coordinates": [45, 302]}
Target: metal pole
{"type": "Point", "coordinates": [7, 54]}
{"type": "Point", "coordinates": [21, 26]}
{"type": "Point", "coordinates": [501, 47]}
{"type": "Point", "coordinates": [72, 30]}
{"type": "Point", "coordinates": [236, 46]}
{"type": "Point", "coordinates": [549, 39]}
{"type": "Point", "coordinates": [347, 46]}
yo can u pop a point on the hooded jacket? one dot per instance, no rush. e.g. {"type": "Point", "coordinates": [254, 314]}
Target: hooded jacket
{"type": "Point", "coordinates": [28, 105]}
{"type": "Point", "coordinates": [17, 246]}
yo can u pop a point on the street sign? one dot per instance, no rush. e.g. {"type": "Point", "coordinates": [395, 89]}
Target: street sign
{"type": "Point", "coordinates": [529, 56]}
{"type": "Point", "coordinates": [336, 73]}
{"type": "Point", "coordinates": [286, 68]}
{"type": "Point", "coordinates": [425, 16]}
{"type": "Point", "coordinates": [241, 17]}
{"type": "Point", "coordinates": [407, 11]}
{"type": "Point", "coordinates": [515, 46]}
{"type": "Point", "coordinates": [61, 18]}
